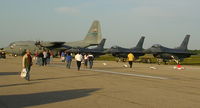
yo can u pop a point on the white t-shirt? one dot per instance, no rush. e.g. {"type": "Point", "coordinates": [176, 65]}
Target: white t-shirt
{"type": "Point", "coordinates": [85, 57]}
{"type": "Point", "coordinates": [78, 57]}
{"type": "Point", "coordinates": [45, 54]}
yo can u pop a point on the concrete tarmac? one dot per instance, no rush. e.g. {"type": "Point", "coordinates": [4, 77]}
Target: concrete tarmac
{"type": "Point", "coordinates": [108, 85]}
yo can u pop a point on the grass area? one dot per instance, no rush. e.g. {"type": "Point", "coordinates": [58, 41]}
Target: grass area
{"type": "Point", "coordinates": [107, 57]}
{"type": "Point", "coordinates": [193, 60]}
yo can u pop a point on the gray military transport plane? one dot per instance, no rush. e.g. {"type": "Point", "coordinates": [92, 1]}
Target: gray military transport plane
{"type": "Point", "coordinates": [178, 54]}
{"type": "Point", "coordinates": [121, 52]}
{"type": "Point", "coordinates": [19, 47]}
{"type": "Point", "coordinates": [96, 52]}
{"type": "Point", "coordinates": [92, 38]}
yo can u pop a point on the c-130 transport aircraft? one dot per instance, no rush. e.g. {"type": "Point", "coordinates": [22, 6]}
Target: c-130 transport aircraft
{"type": "Point", "coordinates": [93, 37]}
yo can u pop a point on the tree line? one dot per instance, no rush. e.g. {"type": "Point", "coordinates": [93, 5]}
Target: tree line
{"type": "Point", "coordinates": [195, 51]}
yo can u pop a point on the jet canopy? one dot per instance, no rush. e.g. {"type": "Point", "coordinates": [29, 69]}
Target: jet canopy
{"type": "Point", "coordinates": [115, 47]}
{"type": "Point", "coordinates": [12, 45]}
{"type": "Point", "coordinates": [156, 46]}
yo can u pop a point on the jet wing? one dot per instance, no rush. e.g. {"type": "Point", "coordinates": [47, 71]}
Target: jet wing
{"type": "Point", "coordinates": [57, 44]}
{"type": "Point", "coordinates": [188, 53]}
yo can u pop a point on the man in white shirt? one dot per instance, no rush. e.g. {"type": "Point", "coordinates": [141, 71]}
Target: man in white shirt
{"type": "Point", "coordinates": [78, 58]}
{"type": "Point", "coordinates": [44, 59]}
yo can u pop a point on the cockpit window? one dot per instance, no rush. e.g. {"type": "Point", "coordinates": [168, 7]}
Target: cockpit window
{"type": "Point", "coordinates": [12, 45]}
{"type": "Point", "coordinates": [114, 47]}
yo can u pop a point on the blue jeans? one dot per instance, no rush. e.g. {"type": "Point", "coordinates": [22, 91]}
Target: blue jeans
{"type": "Point", "coordinates": [90, 64]}
{"type": "Point", "coordinates": [28, 69]}
{"type": "Point", "coordinates": [39, 61]}
{"type": "Point", "coordinates": [68, 64]}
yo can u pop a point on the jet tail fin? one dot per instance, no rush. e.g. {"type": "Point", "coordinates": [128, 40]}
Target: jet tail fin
{"type": "Point", "coordinates": [140, 43]}
{"type": "Point", "coordinates": [94, 35]}
{"type": "Point", "coordinates": [184, 44]}
{"type": "Point", "coordinates": [101, 44]}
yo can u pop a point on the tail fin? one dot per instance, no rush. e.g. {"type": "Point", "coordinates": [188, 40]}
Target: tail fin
{"type": "Point", "coordinates": [139, 45]}
{"type": "Point", "coordinates": [101, 44]}
{"type": "Point", "coordinates": [94, 35]}
{"type": "Point", "coordinates": [184, 44]}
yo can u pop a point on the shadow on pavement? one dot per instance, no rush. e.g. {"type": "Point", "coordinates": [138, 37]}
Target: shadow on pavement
{"type": "Point", "coordinates": [9, 73]}
{"type": "Point", "coordinates": [26, 100]}
{"type": "Point", "coordinates": [41, 79]}
{"type": "Point", "coordinates": [28, 83]}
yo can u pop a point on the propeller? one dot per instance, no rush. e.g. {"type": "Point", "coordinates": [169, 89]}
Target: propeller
{"type": "Point", "coordinates": [38, 43]}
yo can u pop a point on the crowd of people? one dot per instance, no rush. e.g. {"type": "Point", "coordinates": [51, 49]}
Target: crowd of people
{"type": "Point", "coordinates": [44, 58]}
{"type": "Point", "coordinates": [86, 58]}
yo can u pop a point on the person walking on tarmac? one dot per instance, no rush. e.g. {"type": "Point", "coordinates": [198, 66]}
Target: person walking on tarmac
{"type": "Point", "coordinates": [130, 59]}
{"type": "Point", "coordinates": [68, 60]}
{"type": "Point", "coordinates": [27, 63]}
{"type": "Point", "coordinates": [78, 58]}
{"type": "Point", "coordinates": [85, 57]}
{"type": "Point", "coordinates": [90, 60]}
{"type": "Point", "coordinates": [44, 59]}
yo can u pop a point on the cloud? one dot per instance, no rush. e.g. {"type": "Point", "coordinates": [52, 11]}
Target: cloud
{"type": "Point", "coordinates": [67, 10]}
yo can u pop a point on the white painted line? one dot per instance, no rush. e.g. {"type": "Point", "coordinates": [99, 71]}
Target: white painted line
{"type": "Point", "coordinates": [193, 68]}
{"type": "Point", "coordinates": [128, 74]}
{"type": "Point", "coordinates": [120, 73]}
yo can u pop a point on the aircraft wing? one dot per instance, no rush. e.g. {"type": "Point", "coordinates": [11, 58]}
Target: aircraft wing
{"type": "Point", "coordinates": [57, 44]}
{"type": "Point", "coordinates": [52, 45]}
{"type": "Point", "coordinates": [186, 53]}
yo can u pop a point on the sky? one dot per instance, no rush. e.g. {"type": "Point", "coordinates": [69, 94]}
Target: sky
{"type": "Point", "coordinates": [123, 22]}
